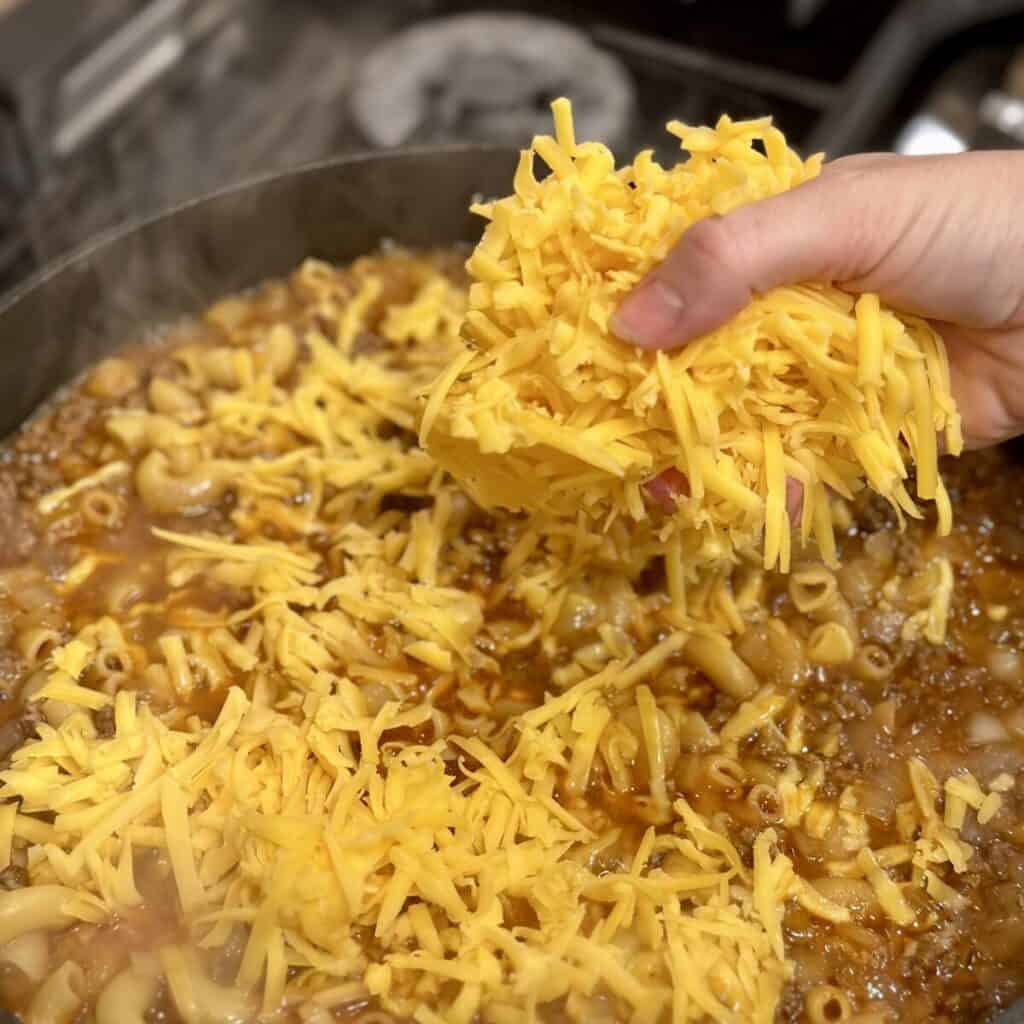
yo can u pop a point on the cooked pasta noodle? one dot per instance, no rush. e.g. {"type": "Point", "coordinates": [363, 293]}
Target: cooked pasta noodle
{"type": "Point", "coordinates": [126, 999]}
{"type": "Point", "coordinates": [813, 589]}
{"type": "Point", "coordinates": [280, 351]}
{"type": "Point", "coordinates": [725, 772]}
{"type": "Point", "coordinates": [166, 396]}
{"type": "Point", "coordinates": [113, 660]}
{"type": "Point", "coordinates": [122, 593]}
{"type": "Point", "coordinates": [827, 1004]}
{"type": "Point", "coordinates": [165, 492]}
{"type": "Point", "coordinates": [830, 644]}
{"type": "Point", "coordinates": [714, 656]}
{"type": "Point", "coordinates": [872, 663]}
{"type": "Point", "coordinates": [619, 748]}
{"type": "Point", "coordinates": [101, 508]}
{"type": "Point", "coordinates": [773, 652]}
{"type": "Point", "coordinates": [763, 798]}
{"type": "Point", "coordinates": [860, 580]}
{"type": "Point", "coordinates": [36, 643]}
{"type": "Point", "coordinates": [60, 997]}
{"type": "Point", "coordinates": [195, 996]}
{"type": "Point", "coordinates": [29, 952]}
{"type": "Point", "coordinates": [853, 893]}
{"type": "Point", "coordinates": [112, 378]}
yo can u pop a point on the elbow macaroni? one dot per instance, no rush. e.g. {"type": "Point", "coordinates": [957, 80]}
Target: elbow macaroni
{"type": "Point", "coordinates": [37, 908]}
{"type": "Point", "coordinates": [29, 952]}
{"type": "Point", "coordinates": [126, 998]}
{"type": "Point", "coordinates": [60, 997]}
{"type": "Point", "coordinates": [715, 657]}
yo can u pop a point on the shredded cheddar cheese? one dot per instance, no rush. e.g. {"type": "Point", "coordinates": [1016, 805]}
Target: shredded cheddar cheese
{"type": "Point", "coordinates": [548, 411]}
{"type": "Point", "coordinates": [295, 815]}
{"type": "Point", "coordinates": [277, 821]}
{"type": "Point", "coordinates": [376, 809]}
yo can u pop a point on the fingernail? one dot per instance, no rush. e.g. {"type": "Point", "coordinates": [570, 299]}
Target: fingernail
{"type": "Point", "coordinates": [667, 487]}
{"type": "Point", "coordinates": [794, 500]}
{"type": "Point", "coordinates": [649, 316]}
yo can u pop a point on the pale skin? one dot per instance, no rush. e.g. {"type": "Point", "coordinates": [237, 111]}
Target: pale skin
{"type": "Point", "coordinates": [941, 236]}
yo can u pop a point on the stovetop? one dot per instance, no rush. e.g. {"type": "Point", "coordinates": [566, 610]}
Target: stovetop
{"type": "Point", "coordinates": [110, 109]}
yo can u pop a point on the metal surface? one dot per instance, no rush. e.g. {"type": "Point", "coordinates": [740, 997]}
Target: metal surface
{"type": "Point", "coordinates": [487, 78]}
{"type": "Point", "coordinates": [68, 72]}
{"type": "Point", "coordinates": [887, 66]}
{"type": "Point", "coordinates": [131, 282]}
{"type": "Point", "coordinates": [763, 79]}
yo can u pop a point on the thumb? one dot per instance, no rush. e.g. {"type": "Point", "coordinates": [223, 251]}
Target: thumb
{"type": "Point", "coordinates": [815, 231]}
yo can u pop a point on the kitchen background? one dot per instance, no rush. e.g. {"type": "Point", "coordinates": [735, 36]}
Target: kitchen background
{"type": "Point", "coordinates": [110, 109]}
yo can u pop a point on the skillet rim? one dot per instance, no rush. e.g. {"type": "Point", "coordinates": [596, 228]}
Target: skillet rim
{"type": "Point", "coordinates": [121, 230]}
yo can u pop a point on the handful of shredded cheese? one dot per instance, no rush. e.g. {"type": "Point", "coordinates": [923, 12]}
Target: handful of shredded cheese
{"type": "Point", "coordinates": [548, 411]}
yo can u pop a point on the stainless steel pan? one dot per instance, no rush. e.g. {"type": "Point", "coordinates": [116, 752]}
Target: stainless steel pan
{"type": "Point", "coordinates": [132, 281]}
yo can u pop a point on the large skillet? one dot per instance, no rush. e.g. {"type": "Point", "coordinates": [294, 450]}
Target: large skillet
{"type": "Point", "coordinates": [130, 282]}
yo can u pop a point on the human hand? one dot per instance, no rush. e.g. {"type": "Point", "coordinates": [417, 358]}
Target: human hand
{"type": "Point", "coordinates": [942, 237]}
